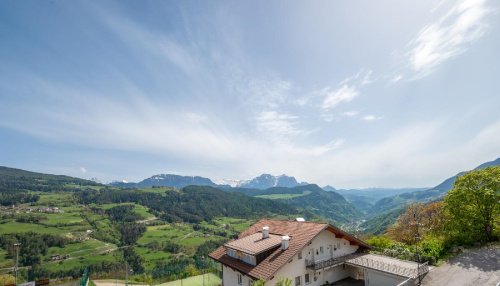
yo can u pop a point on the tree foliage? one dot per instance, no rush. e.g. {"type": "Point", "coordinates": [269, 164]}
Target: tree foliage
{"type": "Point", "coordinates": [6, 279]}
{"type": "Point", "coordinates": [473, 206]}
{"type": "Point", "coordinates": [430, 219]}
{"type": "Point", "coordinates": [283, 282]}
{"type": "Point", "coordinates": [259, 282]}
{"type": "Point", "coordinates": [192, 204]}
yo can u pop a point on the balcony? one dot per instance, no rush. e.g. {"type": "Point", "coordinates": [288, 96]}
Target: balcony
{"type": "Point", "coordinates": [329, 262]}
{"type": "Point", "coordinates": [370, 261]}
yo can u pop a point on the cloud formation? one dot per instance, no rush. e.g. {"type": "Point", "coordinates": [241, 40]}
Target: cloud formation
{"type": "Point", "coordinates": [449, 36]}
{"type": "Point", "coordinates": [333, 98]}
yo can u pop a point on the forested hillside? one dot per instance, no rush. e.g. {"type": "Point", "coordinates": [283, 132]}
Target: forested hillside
{"type": "Point", "coordinates": [467, 215]}
{"type": "Point", "coordinates": [312, 198]}
{"type": "Point", "coordinates": [436, 193]}
{"type": "Point", "coordinates": [66, 224]}
{"type": "Point", "coordinates": [193, 203]}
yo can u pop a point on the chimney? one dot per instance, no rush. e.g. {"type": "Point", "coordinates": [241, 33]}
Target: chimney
{"type": "Point", "coordinates": [265, 232]}
{"type": "Point", "coordinates": [284, 242]}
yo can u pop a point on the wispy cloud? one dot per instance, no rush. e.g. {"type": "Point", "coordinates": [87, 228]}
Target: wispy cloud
{"type": "Point", "coordinates": [396, 78]}
{"type": "Point", "coordinates": [334, 97]}
{"type": "Point", "coordinates": [371, 117]}
{"type": "Point", "coordinates": [449, 36]}
{"type": "Point", "coordinates": [350, 113]}
{"type": "Point", "coordinates": [278, 124]}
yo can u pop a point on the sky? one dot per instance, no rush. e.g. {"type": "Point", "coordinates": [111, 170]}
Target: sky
{"type": "Point", "coordinates": [345, 93]}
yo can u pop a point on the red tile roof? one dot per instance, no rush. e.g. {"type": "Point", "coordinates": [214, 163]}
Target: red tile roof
{"type": "Point", "coordinates": [254, 243]}
{"type": "Point", "coordinates": [301, 233]}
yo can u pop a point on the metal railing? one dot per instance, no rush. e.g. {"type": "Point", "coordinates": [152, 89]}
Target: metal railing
{"type": "Point", "coordinates": [407, 282]}
{"type": "Point", "coordinates": [390, 267]}
{"type": "Point", "coordinates": [328, 262]}
{"type": "Point", "coordinates": [358, 260]}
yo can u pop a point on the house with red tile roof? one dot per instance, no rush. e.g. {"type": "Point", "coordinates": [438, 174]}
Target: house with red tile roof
{"type": "Point", "coordinates": [308, 253]}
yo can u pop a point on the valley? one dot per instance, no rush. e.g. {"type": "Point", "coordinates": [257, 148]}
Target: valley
{"type": "Point", "coordinates": [165, 231]}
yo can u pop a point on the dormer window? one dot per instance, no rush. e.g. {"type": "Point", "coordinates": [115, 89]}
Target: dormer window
{"type": "Point", "coordinates": [254, 248]}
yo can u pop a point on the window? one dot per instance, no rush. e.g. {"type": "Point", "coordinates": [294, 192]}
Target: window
{"type": "Point", "coordinates": [240, 279]}
{"type": "Point", "coordinates": [250, 282]}
{"type": "Point", "coordinates": [231, 252]}
{"type": "Point", "coordinates": [321, 249]}
{"type": "Point", "coordinates": [300, 255]}
{"type": "Point", "coordinates": [307, 279]}
{"type": "Point", "coordinates": [297, 281]}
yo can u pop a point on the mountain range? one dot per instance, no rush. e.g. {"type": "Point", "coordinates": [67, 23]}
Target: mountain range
{"type": "Point", "coordinates": [431, 194]}
{"type": "Point", "coordinates": [386, 210]}
{"type": "Point", "coordinates": [261, 182]}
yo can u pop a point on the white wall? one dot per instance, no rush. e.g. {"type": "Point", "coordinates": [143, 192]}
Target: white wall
{"type": "Point", "coordinates": [230, 277]}
{"type": "Point", "coordinates": [297, 267]}
{"type": "Point", "coordinates": [377, 278]}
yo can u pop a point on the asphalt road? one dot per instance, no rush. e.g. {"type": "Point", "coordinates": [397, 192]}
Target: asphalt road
{"type": "Point", "coordinates": [474, 267]}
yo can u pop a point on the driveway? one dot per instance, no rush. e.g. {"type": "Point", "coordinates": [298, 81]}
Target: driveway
{"type": "Point", "coordinates": [473, 267]}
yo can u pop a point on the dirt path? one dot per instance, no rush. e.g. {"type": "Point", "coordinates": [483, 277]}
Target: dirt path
{"type": "Point", "coordinates": [474, 267]}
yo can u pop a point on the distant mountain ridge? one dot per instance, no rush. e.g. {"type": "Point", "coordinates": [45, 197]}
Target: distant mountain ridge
{"type": "Point", "coordinates": [168, 180]}
{"type": "Point", "coordinates": [385, 211]}
{"type": "Point", "coordinates": [261, 182]}
{"type": "Point", "coordinates": [266, 181]}
{"type": "Point", "coordinates": [328, 204]}
{"type": "Point", "coordinates": [437, 192]}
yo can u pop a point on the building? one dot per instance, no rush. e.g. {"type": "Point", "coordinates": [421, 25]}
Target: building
{"type": "Point", "coordinates": [308, 253]}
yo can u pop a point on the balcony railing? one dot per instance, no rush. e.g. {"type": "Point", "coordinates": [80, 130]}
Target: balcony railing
{"type": "Point", "coordinates": [359, 260]}
{"type": "Point", "coordinates": [328, 262]}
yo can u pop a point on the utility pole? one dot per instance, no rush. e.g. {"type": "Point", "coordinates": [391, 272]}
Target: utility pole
{"type": "Point", "coordinates": [416, 217]}
{"type": "Point", "coordinates": [126, 272]}
{"type": "Point", "coordinates": [16, 245]}
{"type": "Point", "coordinates": [203, 270]}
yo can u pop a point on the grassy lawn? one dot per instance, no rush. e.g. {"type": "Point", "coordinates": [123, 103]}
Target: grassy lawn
{"type": "Point", "coordinates": [151, 257]}
{"type": "Point", "coordinates": [173, 232]}
{"type": "Point", "coordinates": [80, 254]}
{"type": "Point", "coordinates": [160, 190]}
{"type": "Point", "coordinates": [55, 199]}
{"type": "Point", "coordinates": [283, 196]}
{"type": "Point", "coordinates": [65, 218]}
{"type": "Point", "coordinates": [210, 280]}
{"type": "Point", "coordinates": [237, 224]}
{"type": "Point", "coordinates": [11, 226]}
{"type": "Point", "coordinates": [81, 249]}
{"type": "Point", "coordinates": [79, 262]}
{"type": "Point", "coordinates": [182, 234]}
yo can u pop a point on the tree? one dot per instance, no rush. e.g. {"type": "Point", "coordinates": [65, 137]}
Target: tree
{"type": "Point", "coordinates": [472, 206]}
{"type": "Point", "coordinates": [283, 282]}
{"type": "Point", "coordinates": [430, 219]}
{"type": "Point", "coordinates": [134, 260]}
{"type": "Point", "coordinates": [379, 242]}
{"type": "Point", "coordinates": [259, 282]}
{"type": "Point", "coordinates": [6, 279]}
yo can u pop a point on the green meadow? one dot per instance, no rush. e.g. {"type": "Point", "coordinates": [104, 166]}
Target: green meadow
{"type": "Point", "coordinates": [283, 196]}
{"type": "Point", "coordinates": [208, 279]}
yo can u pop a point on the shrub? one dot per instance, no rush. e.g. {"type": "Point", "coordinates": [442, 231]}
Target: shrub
{"type": "Point", "coordinates": [432, 248]}
{"type": "Point", "coordinates": [380, 242]}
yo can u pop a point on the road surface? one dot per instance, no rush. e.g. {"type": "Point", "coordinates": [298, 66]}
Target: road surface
{"type": "Point", "coordinates": [473, 267]}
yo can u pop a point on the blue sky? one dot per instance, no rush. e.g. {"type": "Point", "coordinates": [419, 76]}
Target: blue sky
{"type": "Point", "coordinates": [351, 93]}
